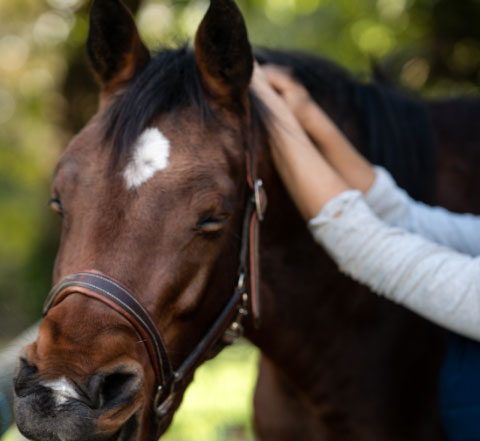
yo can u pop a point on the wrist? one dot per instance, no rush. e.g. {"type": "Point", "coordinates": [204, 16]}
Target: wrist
{"type": "Point", "coordinates": [318, 124]}
{"type": "Point", "coordinates": [308, 115]}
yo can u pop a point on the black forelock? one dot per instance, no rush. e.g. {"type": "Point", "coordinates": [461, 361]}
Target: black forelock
{"type": "Point", "coordinates": [169, 82]}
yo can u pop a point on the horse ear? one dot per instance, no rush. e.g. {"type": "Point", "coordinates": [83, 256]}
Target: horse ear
{"type": "Point", "coordinates": [223, 52]}
{"type": "Point", "coordinates": [114, 46]}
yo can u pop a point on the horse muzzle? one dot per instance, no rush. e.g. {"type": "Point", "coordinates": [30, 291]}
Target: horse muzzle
{"type": "Point", "coordinates": [105, 407]}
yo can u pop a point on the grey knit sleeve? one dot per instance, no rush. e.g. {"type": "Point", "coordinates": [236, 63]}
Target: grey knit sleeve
{"type": "Point", "coordinates": [440, 284]}
{"type": "Point", "coordinates": [394, 206]}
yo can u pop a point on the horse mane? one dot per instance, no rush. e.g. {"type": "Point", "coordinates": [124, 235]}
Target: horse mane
{"type": "Point", "coordinates": [394, 127]}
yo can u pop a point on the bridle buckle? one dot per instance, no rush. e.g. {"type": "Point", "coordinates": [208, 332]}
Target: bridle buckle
{"type": "Point", "coordinates": [162, 407]}
{"type": "Point", "coordinates": [236, 329]}
{"type": "Point", "coordinates": [261, 200]}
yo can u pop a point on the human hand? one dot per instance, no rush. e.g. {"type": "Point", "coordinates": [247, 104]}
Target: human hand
{"type": "Point", "coordinates": [295, 112]}
{"type": "Point", "coordinates": [308, 177]}
{"type": "Point", "coordinates": [264, 90]}
{"type": "Point", "coordinates": [293, 93]}
{"type": "Point", "coordinates": [283, 120]}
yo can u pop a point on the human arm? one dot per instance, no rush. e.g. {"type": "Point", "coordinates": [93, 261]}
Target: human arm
{"type": "Point", "coordinates": [389, 202]}
{"type": "Point", "coordinates": [394, 206]}
{"type": "Point", "coordinates": [354, 169]}
{"type": "Point", "coordinates": [310, 180]}
{"type": "Point", "coordinates": [433, 281]}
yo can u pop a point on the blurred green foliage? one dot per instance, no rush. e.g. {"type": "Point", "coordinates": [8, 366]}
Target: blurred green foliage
{"type": "Point", "coordinates": [218, 405]}
{"type": "Point", "coordinates": [47, 92]}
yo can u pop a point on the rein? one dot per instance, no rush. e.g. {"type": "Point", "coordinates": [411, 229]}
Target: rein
{"type": "Point", "coordinates": [226, 328]}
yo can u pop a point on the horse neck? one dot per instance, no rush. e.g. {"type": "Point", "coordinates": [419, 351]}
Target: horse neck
{"type": "Point", "coordinates": [458, 153]}
{"type": "Point", "coordinates": [314, 319]}
{"type": "Point", "coordinates": [299, 289]}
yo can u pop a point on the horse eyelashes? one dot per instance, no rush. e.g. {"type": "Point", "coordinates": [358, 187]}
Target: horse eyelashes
{"type": "Point", "coordinates": [210, 224]}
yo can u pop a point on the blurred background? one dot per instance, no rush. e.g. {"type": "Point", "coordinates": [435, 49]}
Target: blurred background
{"type": "Point", "coordinates": [47, 94]}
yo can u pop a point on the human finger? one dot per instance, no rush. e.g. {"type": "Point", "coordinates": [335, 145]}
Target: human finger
{"type": "Point", "coordinates": [279, 77]}
{"type": "Point", "coordinates": [262, 86]}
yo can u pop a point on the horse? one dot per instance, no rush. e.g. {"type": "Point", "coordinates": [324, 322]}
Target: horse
{"type": "Point", "coordinates": [164, 194]}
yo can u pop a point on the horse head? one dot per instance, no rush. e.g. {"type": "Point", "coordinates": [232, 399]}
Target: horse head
{"type": "Point", "coordinates": [153, 192]}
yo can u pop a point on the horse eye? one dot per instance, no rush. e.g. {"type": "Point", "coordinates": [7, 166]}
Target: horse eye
{"type": "Point", "coordinates": [210, 224]}
{"type": "Point", "coordinates": [56, 205]}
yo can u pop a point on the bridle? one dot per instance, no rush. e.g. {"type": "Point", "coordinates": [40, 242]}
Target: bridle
{"type": "Point", "coordinates": [225, 330]}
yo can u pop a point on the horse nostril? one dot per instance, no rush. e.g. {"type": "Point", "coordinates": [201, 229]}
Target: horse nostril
{"type": "Point", "coordinates": [115, 389]}
{"type": "Point", "coordinates": [25, 377]}
{"type": "Point", "coordinates": [115, 384]}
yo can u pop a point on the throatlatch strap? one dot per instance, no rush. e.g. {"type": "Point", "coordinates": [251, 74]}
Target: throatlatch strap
{"type": "Point", "coordinates": [255, 270]}
{"type": "Point", "coordinates": [256, 208]}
